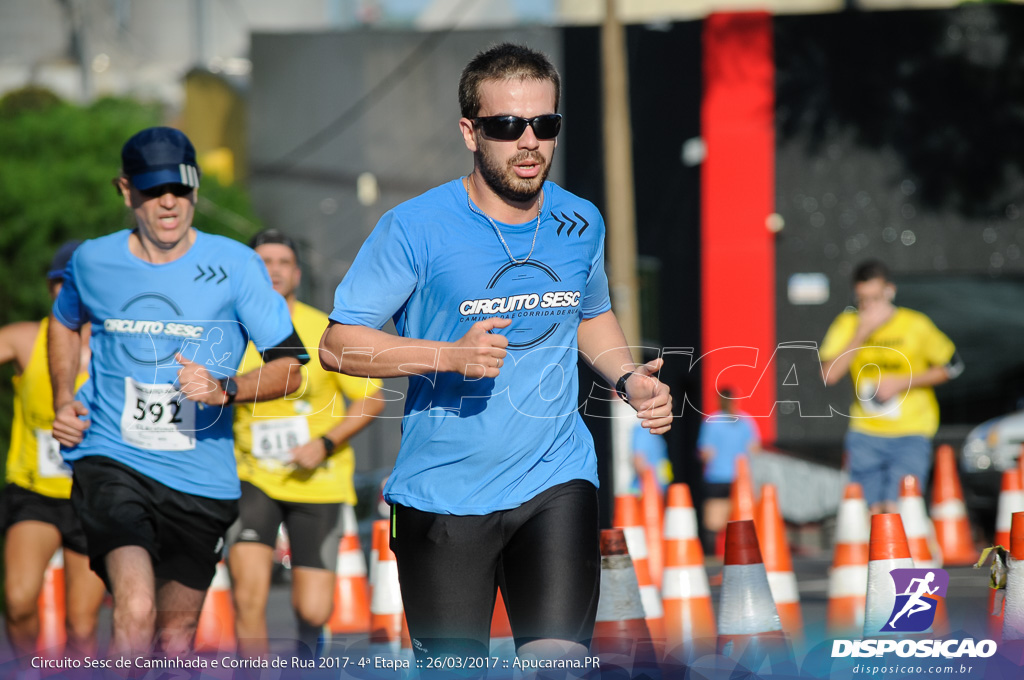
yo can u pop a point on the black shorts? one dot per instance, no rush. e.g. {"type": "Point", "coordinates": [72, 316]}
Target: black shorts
{"type": "Point", "coordinates": [119, 506]}
{"type": "Point", "coordinates": [21, 505]}
{"type": "Point", "coordinates": [545, 555]}
{"type": "Point", "coordinates": [713, 490]}
{"type": "Point", "coordinates": [314, 529]}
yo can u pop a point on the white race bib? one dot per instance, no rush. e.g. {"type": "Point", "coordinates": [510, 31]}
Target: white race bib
{"type": "Point", "coordinates": [274, 439]}
{"type": "Point", "coordinates": [50, 463]}
{"type": "Point", "coordinates": [157, 417]}
{"type": "Point", "coordinates": [890, 410]}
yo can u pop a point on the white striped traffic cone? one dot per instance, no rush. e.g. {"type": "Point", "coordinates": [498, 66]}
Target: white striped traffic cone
{"type": "Point", "coordinates": [215, 631]}
{"type": "Point", "coordinates": [351, 612]}
{"type": "Point", "coordinates": [628, 517]}
{"type": "Point", "coordinates": [1013, 618]}
{"type": "Point", "coordinates": [848, 580]}
{"type": "Point", "coordinates": [949, 513]}
{"type": "Point", "coordinates": [916, 524]}
{"type": "Point", "coordinates": [621, 637]}
{"type": "Point", "coordinates": [686, 597]}
{"type": "Point", "coordinates": [749, 629]}
{"type": "Point", "coordinates": [1011, 500]}
{"type": "Point", "coordinates": [386, 608]}
{"type": "Point", "coordinates": [888, 550]}
{"type": "Point", "coordinates": [52, 609]}
{"type": "Point", "coordinates": [771, 532]}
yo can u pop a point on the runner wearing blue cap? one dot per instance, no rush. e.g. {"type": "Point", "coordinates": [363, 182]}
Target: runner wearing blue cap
{"type": "Point", "coordinates": [37, 518]}
{"type": "Point", "coordinates": [171, 310]}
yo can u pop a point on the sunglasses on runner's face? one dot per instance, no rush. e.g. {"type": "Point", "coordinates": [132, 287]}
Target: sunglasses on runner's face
{"type": "Point", "coordinates": [178, 190]}
{"type": "Point", "coordinates": [509, 128]}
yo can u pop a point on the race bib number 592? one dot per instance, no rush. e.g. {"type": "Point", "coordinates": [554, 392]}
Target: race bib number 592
{"type": "Point", "coordinates": [157, 417]}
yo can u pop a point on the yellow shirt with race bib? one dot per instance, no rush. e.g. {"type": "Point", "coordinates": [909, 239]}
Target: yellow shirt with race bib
{"type": "Point", "coordinates": [907, 344]}
{"type": "Point", "coordinates": [265, 432]}
{"type": "Point", "coordinates": [34, 461]}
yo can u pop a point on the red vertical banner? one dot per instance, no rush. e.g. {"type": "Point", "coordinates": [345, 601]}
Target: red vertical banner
{"type": "Point", "coordinates": [737, 196]}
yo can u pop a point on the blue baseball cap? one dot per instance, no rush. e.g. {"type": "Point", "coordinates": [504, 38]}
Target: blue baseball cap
{"type": "Point", "coordinates": [159, 155]}
{"type": "Point", "coordinates": [60, 260]}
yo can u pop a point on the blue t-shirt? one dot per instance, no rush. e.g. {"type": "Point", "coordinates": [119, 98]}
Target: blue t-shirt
{"type": "Point", "coordinates": [730, 436]}
{"type": "Point", "coordinates": [207, 305]}
{"type": "Point", "coordinates": [654, 451]}
{"type": "Point", "coordinates": [470, 447]}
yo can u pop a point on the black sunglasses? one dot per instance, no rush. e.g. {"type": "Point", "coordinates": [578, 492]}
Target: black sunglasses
{"type": "Point", "coordinates": [509, 128]}
{"type": "Point", "coordinates": [175, 188]}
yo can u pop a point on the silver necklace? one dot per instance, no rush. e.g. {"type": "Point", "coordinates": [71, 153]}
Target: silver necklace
{"type": "Point", "coordinates": [540, 209]}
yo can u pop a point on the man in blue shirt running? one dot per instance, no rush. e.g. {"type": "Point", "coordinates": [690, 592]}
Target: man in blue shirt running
{"type": "Point", "coordinates": [148, 436]}
{"type": "Point", "coordinates": [496, 285]}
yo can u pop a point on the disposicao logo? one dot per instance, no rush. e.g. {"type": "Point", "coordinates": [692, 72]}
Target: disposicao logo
{"type": "Point", "coordinates": [917, 596]}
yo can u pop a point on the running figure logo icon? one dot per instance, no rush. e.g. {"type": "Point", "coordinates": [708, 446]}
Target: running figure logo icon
{"type": "Point", "coordinates": [917, 595]}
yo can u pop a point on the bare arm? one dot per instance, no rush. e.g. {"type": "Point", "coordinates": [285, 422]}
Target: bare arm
{"type": "Point", "coordinates": [272, 380]}
{"type": "Point", "coordinates": [359, 415]}
{"type": "Point", "coordinates": [868, 320]}
{"type": "Point", "coordinates": [64, 348]}
{"type": "Point", "coordinates": [369, 353]}
{"type": "Point", "coordinates": [891, 385]}
{"type": "Point", "coordinates": [16, 342]}
{"type": "Point", "coordinates": [835, 369]}
{"type": "Point", "coordinates": [603, 346]}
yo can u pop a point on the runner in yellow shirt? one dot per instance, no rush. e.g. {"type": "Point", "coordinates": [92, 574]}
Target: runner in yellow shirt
{"type": "Point", "coordinates": [895, 356]}
{"type": "Point", "coordinates": [296, 466]}
{"type": "Point", "coordinates": [37, 515]}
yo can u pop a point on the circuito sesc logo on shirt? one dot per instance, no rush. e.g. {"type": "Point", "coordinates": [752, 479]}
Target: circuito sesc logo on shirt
{"type": "Point", "coordinates": [918, 592]}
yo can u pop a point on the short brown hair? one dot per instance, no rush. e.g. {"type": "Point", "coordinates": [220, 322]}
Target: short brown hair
{"type": "Point", "coordinates": [506, 61]}
{"type": "Point", "coordinates": [870, 270]}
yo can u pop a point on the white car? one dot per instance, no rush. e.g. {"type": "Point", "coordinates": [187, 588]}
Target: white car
{"type": "Point", "coordinates": [989, 450]}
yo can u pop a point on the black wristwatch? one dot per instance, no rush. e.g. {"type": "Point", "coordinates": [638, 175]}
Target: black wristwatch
{"type": "Point", "coordinates": [328, 444]}
{"type": "Point", "coordinates": [620, 386]}
{"type": "Point", "coordinates": [230, 389]}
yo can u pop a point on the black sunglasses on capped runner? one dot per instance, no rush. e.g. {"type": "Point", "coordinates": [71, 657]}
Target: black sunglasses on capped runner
{"type": "Point", "coordinates": [509, 128]}
{"type": "Point", "coordinates": [178, 190]}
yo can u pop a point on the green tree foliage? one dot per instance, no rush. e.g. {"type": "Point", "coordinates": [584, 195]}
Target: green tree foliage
{"type": "Point", "coordinates": [57, 163]}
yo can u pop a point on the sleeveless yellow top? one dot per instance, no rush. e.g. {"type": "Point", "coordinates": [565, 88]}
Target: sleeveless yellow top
{"type": "Point", "coordinates": [34, 461]}
{"type": "Point", "coordinates": [266, 431]}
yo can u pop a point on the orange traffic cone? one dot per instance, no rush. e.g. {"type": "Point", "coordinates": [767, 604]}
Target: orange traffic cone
{"type": "Point", "coordinates": [686, 597]}
{"type": "Point", "coordinates": [215, 631]}
{"type": "Point", "coordinates": [386, 609]}
{"type": "Point", "coordinates": [52, 609]}
{"type": "Point", "coordinates": [653, 503]}
{"type": "Point", "coordinates": [628, 518]}
{"type": "Point", "coordinates": [621, 637]}
{"type": "Point", "coordinates": [742, 501]}
{"type": "Point", "coordinates": [887, 550]}
{"type": "Point", "coordinates": [502, 642]}
{"type": "Point", "coordinates": [1011, 500]}
{"type": "Point", "coordinates": [771, 533]}
{"type": "Point", "coordinates": [916, 524]}
{"type": "Point", "coordinates": [917, 527]}
{"type": "Point", "coordinates": [351, 591]}
{"type": "Point", "coordinates": [949, 513]}
{"type": "Point", "coordinates": [749, 628]}
{"type": "Point", "coordinates": [848, 580]}
{"type": "Point", "coordinates": [1013, 618]}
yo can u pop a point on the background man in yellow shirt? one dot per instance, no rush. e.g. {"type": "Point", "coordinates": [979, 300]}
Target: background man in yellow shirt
{"type": "Point", "coordinates": [37, 517]}
{"type": "Point", "coordinates": [895, 356]}
{"type": "Point", "coordinates": [296, 466]}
